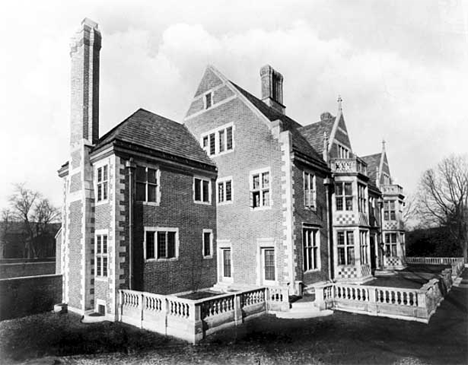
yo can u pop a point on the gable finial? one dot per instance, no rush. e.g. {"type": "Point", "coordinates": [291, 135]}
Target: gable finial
{"type": "Point", "coordinates": [340, 108]}
{"type": "Point", "coordinates": [383, 144]}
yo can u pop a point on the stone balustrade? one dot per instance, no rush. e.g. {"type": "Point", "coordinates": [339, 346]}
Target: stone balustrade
{"type": "Point", "coordinates": [348, 165]}
{"type": "Point", "coordinates": [392, 189]}
{"type": "Point", "coordinates": [434, 260]}
{"type": "Point", "coordinates": [192, 320]}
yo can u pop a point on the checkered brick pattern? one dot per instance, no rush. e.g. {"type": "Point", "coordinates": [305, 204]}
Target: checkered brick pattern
{"type": "Point", "coordinates": [393, 261]}
{"type": "Point", "coordinates": [391, 225]}
{"type": "Point", "coordinates": [345, 219]}
{"type": "Point", "coordinates": [348, 272]}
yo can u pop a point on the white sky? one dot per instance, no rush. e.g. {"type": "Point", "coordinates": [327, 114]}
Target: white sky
{"type": "Point", "coordinates": [400, 67]}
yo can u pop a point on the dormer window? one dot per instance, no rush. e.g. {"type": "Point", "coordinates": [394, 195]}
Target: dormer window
{"type": "Point", "coordinates": [208, 100]}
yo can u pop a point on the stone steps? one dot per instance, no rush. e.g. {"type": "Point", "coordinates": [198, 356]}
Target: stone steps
{"type": "Point", "coordinates": [303, 309]}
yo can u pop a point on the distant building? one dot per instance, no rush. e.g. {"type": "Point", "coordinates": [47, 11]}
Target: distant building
{"type": "Point", "coordinates": [238, 196]}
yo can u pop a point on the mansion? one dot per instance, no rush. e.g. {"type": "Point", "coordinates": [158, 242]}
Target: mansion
{"type": "Point", "coordinates": [237, 195]}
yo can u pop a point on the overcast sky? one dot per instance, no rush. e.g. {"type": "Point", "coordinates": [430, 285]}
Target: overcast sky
{"type": "Point", "coordinates": [400, 67]}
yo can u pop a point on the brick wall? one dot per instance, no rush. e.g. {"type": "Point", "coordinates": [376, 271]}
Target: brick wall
{"type": "Point", "coordinates": [20, 297]}
{"type": "Point", "coordinates": [190, 271]}
{"type": "Point", "coordinates": [18, 269]}
{"type": "Point", "coordinates": [244, 227]}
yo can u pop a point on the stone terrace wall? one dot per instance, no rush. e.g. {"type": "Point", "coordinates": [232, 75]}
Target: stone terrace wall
{"type": "Point", "coordinates": [24, 296]}
{"type": "Point", "coordinates": [20, 269]}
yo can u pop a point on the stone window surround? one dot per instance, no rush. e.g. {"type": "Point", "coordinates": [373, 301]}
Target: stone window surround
{"type": "Point", "coordinates": [223, 181]}
{"type": "Point", "coordinates": [96, 166]}
{"type": "Point", "coordinates": [158, 183]}
{"type": "Point", "coordinates": [210, 231]}
{"type": "Point", "coordinates": [202, 179]}
{"type": "Point", "coordinates": [315, 246]}
{"type": "Point", "coordinates": [155, 230]}
{"type": "Point", "coordinates": [311, 202]}
{"type": "Point", "coordinates": [101, 233]}
{"type": "Point", "coordinates": [224, 245]}
{"type": "Point", "coordinates": [260, 172]}
{"type": "Point", "coordinates": [216, 132]}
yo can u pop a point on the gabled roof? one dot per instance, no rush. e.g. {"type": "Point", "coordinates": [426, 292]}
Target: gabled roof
{"type": "Point", "coordinates": [373, 163]}
{"type": "Point", "coordinates": [155, 132]}
{"type": "Point", "coordinates": [300, 144]}
{"type": "Point", "coordinates": [314, 133]}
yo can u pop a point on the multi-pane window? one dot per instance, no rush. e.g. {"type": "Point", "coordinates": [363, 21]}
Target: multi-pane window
{"type": "Point", "coordinates": [269, 264]}
{"type": "Point", "coordinates": [225, 191]}
{"type": "Point", "coordinates": [201, 190]}
{"type": "Point", "coordinates": [208, 100]}
{"type": "Point", "coordinates": [146, 184]}
{"type": "Point", "coordinates": [161, 244]}
{"type": "Point", "coordinates": [343, 152]}
{"type": "Point", "coordinates": [362, 201]}
{"type": "Point", "coordinates": [207, 243]}
{"type": "Point", "coordinates": [311, 249]}
{"type": "Point", "coordinates": [101, 255]}
{"type": "Point", "coordinates": [227, 269]}
{"type": "Point", "coordinates": [344, 196]}
{"type": "Point", "coordinates": [102, 183]}
{"type": "Point", "coordinates": [260, 189]}
{"type": "Point", "coordinates": [363, 246]}
{"type": "Point", "coordinates": [309, 190]}
{"type": "Point", "coordinates": [389, 210]}
{"type": "Point", "coordinates": [345, 248]}
{"type": "Point", "coordinates": [391, 244]}
{"type": "Point", "coordinates": [218, 141]}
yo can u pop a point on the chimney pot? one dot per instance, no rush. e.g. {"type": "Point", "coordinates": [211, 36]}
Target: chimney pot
{"type": "Point", "coordinates": [272, 88]}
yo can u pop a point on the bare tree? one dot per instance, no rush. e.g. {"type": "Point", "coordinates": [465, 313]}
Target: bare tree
{"type": "Point", "coordinates": [410, 211]}
{"type": "Point", "coordinates": [6, 221]}
{"type": "Point", "coordinates": [443, 198]}
{"type": "Point", "coordinates": [35, 213]}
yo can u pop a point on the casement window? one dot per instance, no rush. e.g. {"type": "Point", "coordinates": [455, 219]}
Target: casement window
{"type": "Point", "coordinates": [391, 244]}
{"type": "Point", "coordinates": [161, 243]}
{"type": "Point", "coordinates": [224, 191]}
{"type": "Point", "coordinates": [345, 245]}
{"type": "Point", "coordinates": [389, 210]}
{"type": "Point", "coordinates": [207, 243]}
{"type": "Point", "coordinates": [268, 258]}
{"type": "Point", "coordinates": [201, 190]}
{"type": "Point", "coordinates": [102, 183]}
{"type": "Point", "coordinates": [101, 255]}
{"type": "Point", "coordinates": [342, 152]}
{"type": "Point", "coordinates": [146, 184]}
{"type": "Point", "coordinates": [219, 141]}
{"type": "Point", "coordinates": [226, 263]}
{"type": "Point", "coordinates": [310, 194]}
{"type": "Point", "coordinates": [344, 196]}
{"type": "Point", "coordinates": [362, 201]}
{"type": "Point", "coordinates": [260, 189]}
{"type": "Point", "coordinates": [311, 248]}
{"type": "Point", "coordinates": [208, 100]}
{"type": "Point", "coordinates": [363, 245]}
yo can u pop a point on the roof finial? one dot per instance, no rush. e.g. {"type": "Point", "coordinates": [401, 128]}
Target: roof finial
{"type": "Point", "coordinates": [339, 103]}
{"type": "Point", "coordinates": [383, 144]}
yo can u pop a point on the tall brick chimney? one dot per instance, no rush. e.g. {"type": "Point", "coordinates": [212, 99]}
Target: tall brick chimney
{"type": "Point", "coordinates": [272, 88]}
{"type": "Point", "coordinates": [84, 53]}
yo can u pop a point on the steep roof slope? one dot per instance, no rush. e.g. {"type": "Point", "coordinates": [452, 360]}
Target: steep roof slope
{"type": "Point", "coordinates": [152, 131]}
{"type": "Point", "coordinates": [373, 163]}
{"type": "Point", "coordinates": [314, 133]}
{"type": "Point", "coordinates": [300, 144]}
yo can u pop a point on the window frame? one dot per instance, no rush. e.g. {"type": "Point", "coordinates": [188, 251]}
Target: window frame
{"type": "Point", "coordinates": [147, 183]}
{"type": "Point", "coordinates": [103, 166]}
{"type": "Point", "coordinates": [202, 190]}
{"type": "Point", "coordinates": [346, 246]}
{"type": "Point", "coordinates": [311, 249]}
{"type": "Point", "coordinates": [260, 190]}
{"type": "Point", "coordinates": [362, 198]}
{"type": "Point", "coordinates": [208, 96]}
{"type": "Point", "coordinates": [390, 246]}
{"type": "Point", "coordinates": [363, 246]}
{"type": "Point", "coordinates": [217, 137]}
{"type": "Point", "coordinates": [344, 197]}
{"type": "Point", "coordinates": [210, 232]}
{"type": "Point", "coordinates": [310, 194]}
{"type": "Point", "coordinates": [101, 258]}
{"type": "Point", "coordinates": [155, 231]}
{"type": "Point", "coordinates": [266, 280]}
{"type": "Point", "coordinates": [390, 210]}
{"type": "Point", "coordinates": [223, 182]}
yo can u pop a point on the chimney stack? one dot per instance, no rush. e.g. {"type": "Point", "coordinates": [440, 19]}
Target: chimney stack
{"type": "Point", "coordinates": [84, 52]}
{"type": "Point", "coordinates": [272, 88]}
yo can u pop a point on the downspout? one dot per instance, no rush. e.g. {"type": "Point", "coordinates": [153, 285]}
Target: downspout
{"type": "Point", "coordinates": [328, 182]}
{"type": "Point", "coordinates": [130, 165]}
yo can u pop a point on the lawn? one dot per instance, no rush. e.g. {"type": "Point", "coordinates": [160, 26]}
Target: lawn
{"type": "Point", "coordinates": [342, 338]}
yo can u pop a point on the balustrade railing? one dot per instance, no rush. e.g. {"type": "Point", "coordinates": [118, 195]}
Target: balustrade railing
{"type": "Point", "coordinates": [434, 260]}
